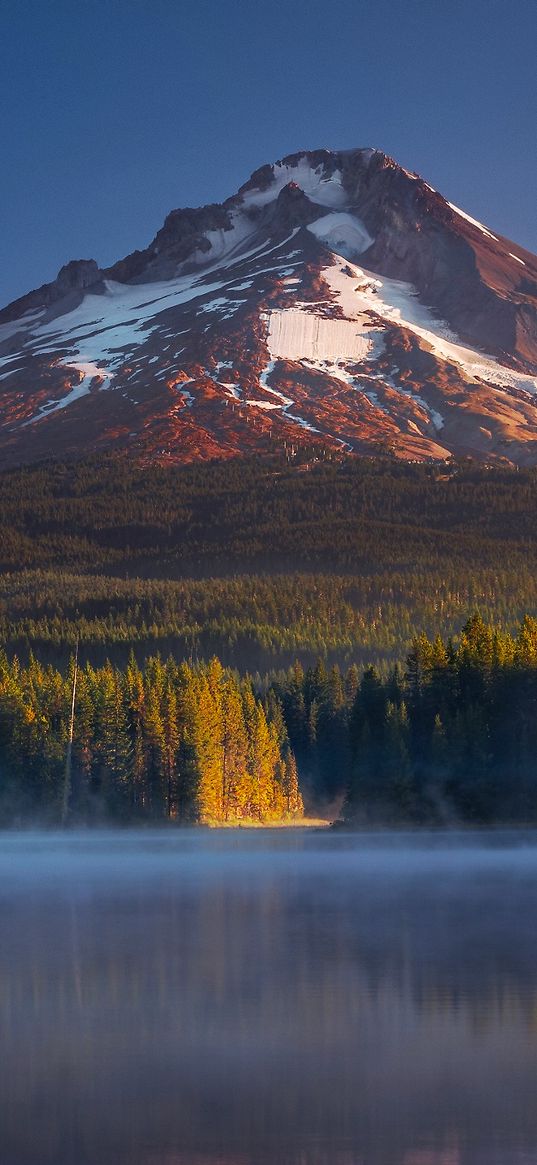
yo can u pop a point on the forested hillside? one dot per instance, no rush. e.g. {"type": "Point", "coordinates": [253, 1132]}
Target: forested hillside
{"type": "Point", "coordinates": [260, 562]}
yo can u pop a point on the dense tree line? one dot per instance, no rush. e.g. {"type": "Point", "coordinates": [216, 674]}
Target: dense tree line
{"type": "Point", "coordinates": [171, 741]}
{"type": "Point", "coordinates": [456, 738]}
{"type": "Point", "coordinates": [453, 737]}
{"type": "Point", "coordinates": [248, 516]}
{"type": "Point", "coordinates": [255, 623]}
{"type": "Point", "coordinates": [259, 562]}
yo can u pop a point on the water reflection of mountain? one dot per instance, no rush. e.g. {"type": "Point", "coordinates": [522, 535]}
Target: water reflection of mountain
{"type": "Point", "coordinates": [259, 1004]}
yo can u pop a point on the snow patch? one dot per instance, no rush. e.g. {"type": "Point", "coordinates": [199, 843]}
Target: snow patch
{"type": "Point", "coordinates": [242, 286]}
{"type": "Point", "coordinates": [474, 221]}
{"type": "Point", "coordinates": [229, 306]}
{"type": "Point", "coordinates": [295, 334]}
{"type": "Point", "coordinates": [300, 421]}
{"type": "Point", "coordinates": [359, 293]}
{"type": "Point", "coordinates": [435, 417]}
{"type": "Point", "coordinates": [326, 191]}
{"type": "Point", "coordinates": [285, 400]}
{"type": "Point", "coordinates": [7, 331]}
{"type": "Point", "coordinates": [262, 404]}
{"type": "Point", "coordinates": [373, 399]}
{"type": "Point", "coordinates": [90, 373]}
{"type": "Point", "coordinates": [223, 244]}
{"type": "Point", "coordinates": [343, 233]}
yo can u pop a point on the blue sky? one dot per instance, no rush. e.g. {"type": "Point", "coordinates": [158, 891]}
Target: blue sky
{"type": "Point", "coordinates": [115, 111]}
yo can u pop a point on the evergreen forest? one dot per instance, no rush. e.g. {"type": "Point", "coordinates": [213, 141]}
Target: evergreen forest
{"type": "Point", "coordinates": [169, 742]}
{"type": "Point", "coordinates": [451, 738]}
{"type": "Point", "coordinates": [260, 562]}
{"type": "Point", "coordinates": [255, 636]}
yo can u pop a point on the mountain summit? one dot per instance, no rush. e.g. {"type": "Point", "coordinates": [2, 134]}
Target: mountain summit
{"type": "Point", "coordinates": [337, 300]}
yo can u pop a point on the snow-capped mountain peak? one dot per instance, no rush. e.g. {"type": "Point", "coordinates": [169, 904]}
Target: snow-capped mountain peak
{"type": "Point", "coordinates": [337, 299]}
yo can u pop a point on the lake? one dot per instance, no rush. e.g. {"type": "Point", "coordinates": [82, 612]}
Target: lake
{"type": "Point", "coordinates": [281, 997]}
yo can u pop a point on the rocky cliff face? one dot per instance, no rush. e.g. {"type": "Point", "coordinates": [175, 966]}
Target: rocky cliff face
{"type": "Point", "coordinates": [335, 300]}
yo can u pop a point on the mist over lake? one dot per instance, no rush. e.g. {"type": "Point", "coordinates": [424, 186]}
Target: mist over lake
{"type": "Point", "coordinates": [266, 996]}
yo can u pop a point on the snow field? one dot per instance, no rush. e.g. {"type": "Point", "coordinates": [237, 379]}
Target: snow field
{"type": "Point", "coordinates": [296, 334]}
{"type": "Point", "coordinates": [322, 190]}
{"type": "Point", "coordinates": [360, 292]}
{"type": "Point", "coordinates": [343, 233]}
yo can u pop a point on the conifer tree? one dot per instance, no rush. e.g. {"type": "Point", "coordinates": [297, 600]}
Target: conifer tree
{"type": "Point", "coordinates": [234, 751]}
{"type": "Point", "coordinates": [209, 745]}
{"type": "Point", "coordinates": [171, 738]}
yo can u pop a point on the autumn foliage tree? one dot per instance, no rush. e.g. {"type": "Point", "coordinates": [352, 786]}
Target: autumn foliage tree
{"type": "Point", "coordinates": [169, 741]}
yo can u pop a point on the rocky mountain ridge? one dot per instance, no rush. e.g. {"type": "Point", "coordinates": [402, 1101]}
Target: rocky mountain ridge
{"type": "Point", "coordinates": [336, 300]}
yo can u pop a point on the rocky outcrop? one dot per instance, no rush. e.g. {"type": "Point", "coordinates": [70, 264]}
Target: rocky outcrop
{"type": "Point", "coordinates": [292, 208]}
{"type": "Point", "coordinates": [77, 275]}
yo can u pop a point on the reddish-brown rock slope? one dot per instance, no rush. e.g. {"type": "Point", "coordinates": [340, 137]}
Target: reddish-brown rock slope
{"type": "Point", "coordinates": [335, 300]}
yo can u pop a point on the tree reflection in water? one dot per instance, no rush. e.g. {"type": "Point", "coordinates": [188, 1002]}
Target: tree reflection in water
{"type": "Point", "coordinates": [298, 998]}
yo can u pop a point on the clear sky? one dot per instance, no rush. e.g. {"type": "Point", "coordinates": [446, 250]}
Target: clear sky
{"type": "Point", "coordinates": [113, 112]}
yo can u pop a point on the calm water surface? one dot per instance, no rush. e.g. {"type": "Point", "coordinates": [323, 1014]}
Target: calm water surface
{"type": "Point", "coordinates": [293, 997]}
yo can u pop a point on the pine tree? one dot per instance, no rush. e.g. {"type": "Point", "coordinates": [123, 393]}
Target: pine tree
{"type": "Point", "coordinates": [171, 737]}
{"type": "Point", "coordinates": [234, 752]}
{"type": "Point", "coordinates": [288, 779]}
{"type": "Point", "coordinates": [112, 752]}
{"type": "Point", "coordinates": [209, 746]}
{"type": "Point", "coordinates": [135, 700]}
{"type": "Point", "coordinates": [155, 752]}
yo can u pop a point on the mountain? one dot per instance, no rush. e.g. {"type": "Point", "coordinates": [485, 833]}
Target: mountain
{"type": "Point", "coordinates": [336, 300]}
